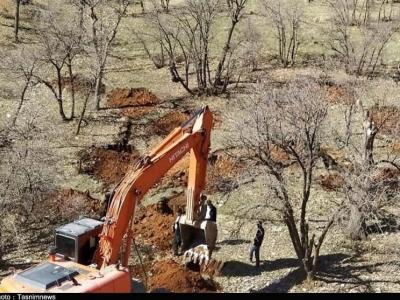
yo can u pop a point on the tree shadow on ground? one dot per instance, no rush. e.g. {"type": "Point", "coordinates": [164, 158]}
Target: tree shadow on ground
{"type": "Point", "coordinates": [234, 242]}
{"type": "Point", "coordinates": [386, 223]}
{"type": "Point", "coordinates": [333, 268]}
{"type": "Point", "coordinates": [284, 284]}
{"type": "Point", "coordinates": [236, 268]}
{"type": "Point", "coordinates": [294, 277]}
{"type": "Point", "coordinates": [345, 271]}
{"type": "Point", "coordinates": [240, 269]}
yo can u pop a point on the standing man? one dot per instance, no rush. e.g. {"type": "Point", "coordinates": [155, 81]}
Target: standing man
{"type": "Point", "coordinates": [211, 212]}
{"type": "Point", "coordinates": [255, 249]}
{"type": "Point", "coordinates": [176, 229]}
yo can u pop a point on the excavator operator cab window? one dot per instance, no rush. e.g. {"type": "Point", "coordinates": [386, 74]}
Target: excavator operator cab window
{"type": "Point", "coordinates": [78, 240]}
{"type": "Point", "coordinates": [65, 246]}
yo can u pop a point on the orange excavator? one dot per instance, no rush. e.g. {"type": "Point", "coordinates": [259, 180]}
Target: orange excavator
{"type": "Point", "coordinates": [92, 256]}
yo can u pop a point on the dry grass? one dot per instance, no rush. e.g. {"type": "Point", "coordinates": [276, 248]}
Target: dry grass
{"type": "Point", "coordinates": [6, 7]}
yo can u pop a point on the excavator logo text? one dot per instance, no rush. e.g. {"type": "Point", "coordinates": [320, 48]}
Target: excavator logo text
{"type": "Point", "coordinates": [179, 152]}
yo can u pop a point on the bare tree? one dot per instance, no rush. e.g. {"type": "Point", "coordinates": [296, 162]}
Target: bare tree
{"type": "Point", "coordinates": [104, 18]}
{"type": "Point", "coordinates": [289, 121]}
{"type": "Point", "coordinates": [186, 36]}
{"type": "Point", "coordinates": [360, 55]}
{"type": "Point", "coordinates": [163, 4]}
{"type": "Point", "coordinates": [250, 51]}
{"type": "Point", "coordinates": [24, 183]}
{"type": "Point", "coordinates": [236, 12]}
{"type": "Point", "coordinates": [21, 66]}
{"type": "Point", "coordinates": [60, 43]}
{"type": "Point", "coordinates": [153, 44]}
{"type": "Point", "coordinates": [371, 178]}
{"type": "Point", "coordinates": [287, 20]}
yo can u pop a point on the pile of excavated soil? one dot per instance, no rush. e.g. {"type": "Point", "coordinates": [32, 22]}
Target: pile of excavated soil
{"type": "Point", "coordinates": [387, 118]}
{"type": "Point", "coordinates": [222, 172]}
{"type": "Point", "coordinates": [178, 175]}
{"type": "Point", "coordinates": [134, 102]}
{"type": "Point", "coordinates": [168, 122]}
{"type": "Point", "coordinates": [389, 177]}
{"type": "Point", "coordinates": [177, 202]}
{"type": "Point", "coordinates": [279, 155]}
{"type": "Point", "coordinates": [331, 181]}
{"type": "Point", "coordinates": [337, 94]}
{"type": "Point", "coordinates": [154, 228]}
{"type": "Point", "coordinates": [168, 275]}
{"type": "Point", "coordinates": [106, 165]}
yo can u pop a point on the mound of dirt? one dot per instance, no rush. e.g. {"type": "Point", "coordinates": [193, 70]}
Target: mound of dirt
{"type": "Point", "coordinates": [106, 165]}
{"type": "Point", "coordinates": [387, 118]}
{"type": "Point", "coordinates": [177, 202]}
{"type": "Point", "coordinates": [337, 94]}
{"type": "Point", "coordinates": [222, 172]}
{"type": "Point", "coordinates": [134, 102]}
{"type": "Point", "coordinates": [178, 175]}
{"type": "Point", "coordinates": [168, 122]}
{"type": "Point", "coordinates": [154, 228]}
{"type": "Point", "coordinates": [168, 275]}
{"type": "Point", "coordinates": [389, 177]}
{"type": "Point", "coordinates": [331, 182]}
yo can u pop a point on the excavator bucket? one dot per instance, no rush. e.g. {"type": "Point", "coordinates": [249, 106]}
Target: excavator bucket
{"type": "Point", "coordinates": [198, 240]}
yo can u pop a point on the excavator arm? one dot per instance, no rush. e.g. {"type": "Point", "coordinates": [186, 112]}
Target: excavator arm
{"type": "Point", "coordinates": [193, 137]}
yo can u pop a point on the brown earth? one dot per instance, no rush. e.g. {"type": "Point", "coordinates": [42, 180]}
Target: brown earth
{"type": "Point", "coordinates": [107, 165]}
{"type": "Point", "coordinates": [178, 174]}
{"type": "Point", "coordinates": [331, 181]}
{"type": "Point", "coordinates": [387, 118]}
{"type": "Point", "coordinates": [384, 174]}
{"type": "Point", "coordinates": [172, 276]}
{"type": "Point", "coordinates": [168, 122]}
{"type": "Point", "coordinates": [389, 177]}
{"type": "Point", "coordinates": [222, 171]}
{"type": "Point", "coordinates": [154, 228]}
{"type": "Point", "coordinates": [134, 102]}
{"type": "Point", "coordinates": [177, 202]}
{"type": "Point", "coordinates": [337, 94]}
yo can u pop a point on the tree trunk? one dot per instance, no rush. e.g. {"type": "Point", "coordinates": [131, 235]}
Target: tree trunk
{"type": "Point", "coordinates": [72, 83]}
{"type": "Point", "coordinates": [370, 131]}
{"type": "Point", "coordinates": [78, 129]}
{"type": "Point", "coordinates": [21, 102]}
{"type": "Point", "coordinates": [16, 25]}
{"type": "Point", "coordinates": [218, 74]}
{"type": "Point", "coordinates": [357, 226]}
{"type": "Point", "coordinates": [97, 89]}
{"type": "Point", "coordinates": [61, 110]}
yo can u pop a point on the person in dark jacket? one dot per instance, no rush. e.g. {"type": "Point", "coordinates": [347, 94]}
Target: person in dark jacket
{"type": "Point", "coordinates": [176, 229]}
{"type": "Point", "coordinates": [211, 212]}
{"type": "Point", "coordinates": [255, 249]}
